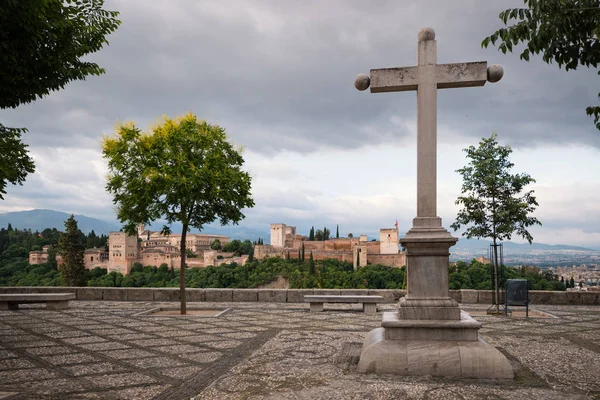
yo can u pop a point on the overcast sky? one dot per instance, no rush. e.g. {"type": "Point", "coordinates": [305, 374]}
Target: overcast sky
{"type": "Point", "coordinates": [278, 76]}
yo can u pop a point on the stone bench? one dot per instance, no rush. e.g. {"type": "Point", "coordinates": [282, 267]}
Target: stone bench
{"type": "Point", "coordinates": [369, 303]}
{"type": "Point", "coordinates": [54, 301]}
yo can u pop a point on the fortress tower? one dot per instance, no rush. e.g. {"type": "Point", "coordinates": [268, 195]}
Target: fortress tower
{"type": "Point", "coordinates": [278, 235]}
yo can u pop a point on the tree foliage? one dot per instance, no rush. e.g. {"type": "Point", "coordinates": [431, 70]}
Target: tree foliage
{"type": "Point", "coordinates": [493, 205]}
{"type": "Point", "coordinates": [15, 162]}
{"type": "Point", "coordinates": [42, 43]}
{"type": "Point", "coordinates": [71, 248]}
{"type": "Point", "coordinates": [563, 31]}
{"type": "Point", "coordinates": [183, 170]}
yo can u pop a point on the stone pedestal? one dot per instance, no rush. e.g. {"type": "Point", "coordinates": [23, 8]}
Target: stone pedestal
{"type": "Point", "coordinates": [429, 335]}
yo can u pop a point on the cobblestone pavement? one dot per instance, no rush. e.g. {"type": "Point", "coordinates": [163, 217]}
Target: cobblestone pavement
{"type": "Point", "coordinates": [102, 350]}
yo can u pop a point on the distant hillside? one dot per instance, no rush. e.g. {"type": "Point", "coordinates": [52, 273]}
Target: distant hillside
{"type": "Point", "coordinates": [473, 244]}
{"type": "Point", "coordinates": [42, 219]}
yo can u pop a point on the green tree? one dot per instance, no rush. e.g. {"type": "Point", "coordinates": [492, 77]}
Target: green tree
{"type": "Point", "coordinates": [311, 235]}
{"type": "Point", "coordinates": [72, 270]}
{"type": "Point", "coordinates": [52, 257]}
{"type": "Point", "coordinates": [303, 252]}
{"type": "Point", "coordinates": [572, 283]}
{"type": "Point", "coordinates": [183, 170]}
{"type": "Point", "coordinates": [311, 265]}
{"type": "Point", "coordinates": [350, 235]}
{"type": "Point", "coordinates": [15, 163]}
{"type": "Point", "coordinates": [493, 205]}
{"type": "Point", "coordinates": [564, 31]}
{"type": "Point", "coordinates": [216, 245]}
{"type": "Point", "coordinates": [319, 235]}
{"type": "Point", "coordinates": [42, 43]}
{"type": "Point", "coordinates": [337, 231]}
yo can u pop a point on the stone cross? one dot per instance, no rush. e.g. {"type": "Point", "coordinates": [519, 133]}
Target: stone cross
{"type": "Point", "coordinates": [426, 78]}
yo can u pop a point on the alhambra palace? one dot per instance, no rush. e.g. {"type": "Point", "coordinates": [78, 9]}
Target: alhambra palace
{"type": "Point", "coordinates": [154, 249]}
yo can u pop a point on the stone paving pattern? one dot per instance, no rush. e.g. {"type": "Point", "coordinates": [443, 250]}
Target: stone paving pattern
{"type": "Point", "coordinates": [102, 350]}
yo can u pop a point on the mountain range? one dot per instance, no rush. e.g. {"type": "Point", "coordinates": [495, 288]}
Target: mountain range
{"type": "Point", "coordinates": [40, 219]}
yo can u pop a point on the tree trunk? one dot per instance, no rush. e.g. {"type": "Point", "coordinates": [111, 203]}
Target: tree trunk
{"type": "Point", "coordinates": [496, 288]}
{"type": "Point", "coordinates": [182, 270]}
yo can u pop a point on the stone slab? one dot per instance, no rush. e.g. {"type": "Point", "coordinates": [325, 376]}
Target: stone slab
{"type": "Point", "coordinates": [33, 297]}
{"type": "Point", "coordinates": [468, 296]}
{"type": "Point", "coordinates": [114, 294]}
{"type": "Point", "coordinates": [89, 293]}
{"type": "Point", "coordinates": [354, 292]}
{"type": "Point", "coordinates": [558, 298]}
{"type": "Point", "coordinates": [139, 294]}
{"type": "Point", "coordinates": [219, 295]}
{"type": "Point", "coordinates": [456, 295]}
{"type": "Point", "coordinates": [327, 292]}
{"type": "Point", "coordinates": [272, 295]}
{"type": "Point", "coordinates": [297, 295]}
{"type": "Point", "coordinates": [245, 295]}
{"type": "Point", "coordinates": [590, 298]}
{"type": "Point", "coordinates": [195, 295]}
{"type": "Point", "coordinates": [166, 294]}
{"type": "Point", "coordinates": [341, 299]}
{"type": "Point", "coordinates": [573, 298]}
{"type": "Point", "coordinates": [540, 297]}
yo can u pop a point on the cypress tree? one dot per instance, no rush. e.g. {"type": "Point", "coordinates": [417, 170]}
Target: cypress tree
{"type": "Point", "coordinates": [72, 271]}
{"type": "Point", "coordinates": [303, 251]}
{"type": "Point", "coordinates": [311, 265]}
{"type": "Point", "coordinates": [311, 235]}
{"type": "Point", "coordinates": [572, 282]}
{"type": "Point", "coordinates": [337, 231]}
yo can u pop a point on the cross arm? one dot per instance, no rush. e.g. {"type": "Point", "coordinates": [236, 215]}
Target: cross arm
{"type": "Point", "coordinates": [447, 76]}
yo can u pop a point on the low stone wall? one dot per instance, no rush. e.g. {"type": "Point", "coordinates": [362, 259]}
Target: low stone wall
{"type": "Point", "coordinates": [465, 296]}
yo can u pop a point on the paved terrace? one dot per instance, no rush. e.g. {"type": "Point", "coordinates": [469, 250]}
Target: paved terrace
{"type": "Point", "coordinates": [102, 350]}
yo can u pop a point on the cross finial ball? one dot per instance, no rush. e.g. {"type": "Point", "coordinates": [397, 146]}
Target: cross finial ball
{"type": "Point", "coordinates": [494, 73]}
{"type": "Point", "coordinates": [362, 81]}
{"type": "Point", "coordinates": [426, 34]}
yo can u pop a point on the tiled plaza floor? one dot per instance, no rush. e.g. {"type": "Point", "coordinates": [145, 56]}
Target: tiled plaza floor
{"type": "Point", "coordinates": [102, 350]}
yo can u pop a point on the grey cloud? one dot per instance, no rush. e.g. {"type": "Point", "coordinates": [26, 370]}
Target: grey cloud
{"type": "Point", "coordinates": [279, 76]}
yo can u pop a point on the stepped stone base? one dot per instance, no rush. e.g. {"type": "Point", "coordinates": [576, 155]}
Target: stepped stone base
{"type": "Point", "coordinates": [437, 348]}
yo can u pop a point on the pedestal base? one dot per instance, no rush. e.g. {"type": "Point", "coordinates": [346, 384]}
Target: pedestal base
{"type": "Point", "coordinates": [437, 348]}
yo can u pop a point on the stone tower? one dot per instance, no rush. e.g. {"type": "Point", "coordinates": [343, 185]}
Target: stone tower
{"type": "Point", "coordinates": [278, 235]}
{"type": "Point", "coordinates": [388, 241]}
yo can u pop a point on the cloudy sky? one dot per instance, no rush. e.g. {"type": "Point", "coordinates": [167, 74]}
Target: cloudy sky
{"type": "Point", "coordinates": [278, 75]}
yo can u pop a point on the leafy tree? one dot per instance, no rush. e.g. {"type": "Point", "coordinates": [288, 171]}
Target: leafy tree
{"type": "Point", "coordinates": [492, 205]}
{"type": "Point", "coordinates": [350, 235]}
{"type": "Point", "coordinates": [15, 163]}
{"type": "Point", "coordinates": [564, 31]}
{"type": "Point", "coordinates": [216, 245]}
{"type": "Point", "coordinates": [319, 235]}
{"type": "Point", "coordinates": [42, 43]}
{"type": "Point", "coordinates": [72, 270]}
{"type": "Point", "coordinates": [52, 263]}
{"type": "Point", "coordinates": [183, 170]}
{"type": "Point", "coordinates": [311, 265]}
